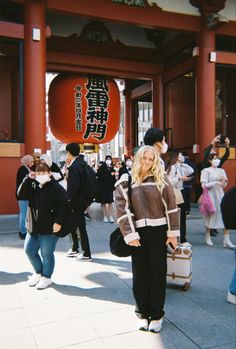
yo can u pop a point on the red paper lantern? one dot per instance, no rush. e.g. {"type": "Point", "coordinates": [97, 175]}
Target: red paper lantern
{"type": "Point", "coordinates": [84, 109]}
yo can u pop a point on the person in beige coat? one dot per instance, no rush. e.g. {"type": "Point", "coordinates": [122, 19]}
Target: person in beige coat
{"type": "Point", "coordinates": [148, 223]}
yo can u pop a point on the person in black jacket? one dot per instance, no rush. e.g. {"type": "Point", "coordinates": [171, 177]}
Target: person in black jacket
{"type": "Point", "coordinates": [76, 195]}
{"type": "Point", "coordinates": [55, 170]}
{"type": "Point", "coordinates": [48, 210]}
{"type": "Point", "coordinates": [26, 164]}
{"type": "Point", "coordinates": [106, 181]}
{"type": "Point", "coordinates": [126, 168]}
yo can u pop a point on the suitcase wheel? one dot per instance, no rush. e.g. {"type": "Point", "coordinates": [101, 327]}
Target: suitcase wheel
{"type": "Point", "coordinates": [186, 286]}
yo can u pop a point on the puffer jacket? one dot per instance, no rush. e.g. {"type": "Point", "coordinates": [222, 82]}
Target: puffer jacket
{"type": "Point", "coordinates": [149, 207]}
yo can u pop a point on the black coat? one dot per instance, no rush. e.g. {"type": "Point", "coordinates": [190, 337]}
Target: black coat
{"type": "Point", "coordinates": [48, 204]}
{"type": "Point", "coordinates": [21, 173]}
{"type": "Point", "coordinates": [76, 184]}
{"type": "Point", "coordinates": [106, 182]}
{"type": "Point", "coordinates": [123, 170]}
{"type": "Point", "coordinates": [228, 208]}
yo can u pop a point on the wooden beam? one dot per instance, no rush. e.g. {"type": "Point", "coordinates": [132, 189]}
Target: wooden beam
{"type": "Point", "coordinates": [141, 90]}
{"type": "Point", "coordinates": [226, 57]}
{"type": "Point", "coordinates": [76, 62]}
{"type": "Point", "coordinates": [177, 44]}
{"type": "Point", "coordinates": [116, 50]}
{"type": "Point", "coordinates": [178, 70]}
{"type": "Point", "coordinates": [150, 17]}
{"type": "Point", "coordinates": [11, 30]}
{"type": "Point", "coordinates": [229, 29]}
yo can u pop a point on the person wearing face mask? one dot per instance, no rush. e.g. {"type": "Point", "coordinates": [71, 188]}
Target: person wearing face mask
{"type": "Point", "coordinates": [156, 138]}
{"type": "Point", "coordinates": [215, 180]}
{"type": "Point", "coordinates": [49, 207]}
{"type": "Point", "coordinates": [178, 172]}
{"type": "Point", "coordinates": [55, 170]}
{"type": "Point", "coordinates": [106, 181]}
{"type": "Point", "coordinates": [126, 168]}
{"type": "Point", "coordinates": [26, 165]}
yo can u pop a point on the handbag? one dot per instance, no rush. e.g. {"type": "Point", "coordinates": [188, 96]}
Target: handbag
{"type": "Point", "coordinates": [178, 196]}
{"type": "Point", "coordinates": [117, 244]}
{"type": "Point", "coordinates": [206, 206]}
{"type": "Point", "coordinates": [29, 221]}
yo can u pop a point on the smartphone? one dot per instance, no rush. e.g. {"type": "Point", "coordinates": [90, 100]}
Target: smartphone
{"type": "Point", "coordinates": [170, 249]}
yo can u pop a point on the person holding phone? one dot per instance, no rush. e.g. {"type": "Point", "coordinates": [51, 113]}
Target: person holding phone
{"type": "Point", "coordinates": [148, 223]}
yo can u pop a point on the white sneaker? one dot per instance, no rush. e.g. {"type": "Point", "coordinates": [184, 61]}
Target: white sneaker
{"type": "Point", "coordinates": [71, 253]}
{"type": "Point", "coordinates": [105, 220]}
{"type": "Point", "coordinates": [43, 283]}
{"type": "Point", "coordinates": [111, 219]}
{"type": "Point", "coordinates": [142, 324]}
{"type": "Point", "coordinates": [155, 325]}
{"type": "Point", "coordinates": [33, 279]}
{"type": "Point", "coordinates": [231, 298]}
{"type": "Point", "coordinates": [84, 258]}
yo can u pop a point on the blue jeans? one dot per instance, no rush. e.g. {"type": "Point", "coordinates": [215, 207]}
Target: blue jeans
{"type": "Point", "coordinates": [23, 204]}
{"type": "Point", "coordinates": [45, 263]}
{"type": "Point", "coordinates": [232, 286]}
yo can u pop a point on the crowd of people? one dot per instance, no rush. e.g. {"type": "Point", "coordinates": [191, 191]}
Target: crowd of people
{"type": "Point", "coordinates": [152, 217]}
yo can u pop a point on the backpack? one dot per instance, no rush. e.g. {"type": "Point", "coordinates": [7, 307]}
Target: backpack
{"type": "Point", "coordinates": [90, 184]}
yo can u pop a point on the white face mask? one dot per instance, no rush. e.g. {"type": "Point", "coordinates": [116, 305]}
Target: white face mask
{"type": "Point", "coordinates": [129, 163]}
{"type": "Point", "coordinates": [42, 179]}
{"type": "Point", "coordinates": [164, 148]}
{"type": "Point", "coordinates": [181, 158]}
{"type": "Point", "coordinates": [215, 162]}
{"type": "Point", "coordinates": [108, 162]}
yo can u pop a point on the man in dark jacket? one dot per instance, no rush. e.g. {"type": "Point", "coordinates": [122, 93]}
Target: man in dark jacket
{"type": "Point", "coordinates": [75, 192]}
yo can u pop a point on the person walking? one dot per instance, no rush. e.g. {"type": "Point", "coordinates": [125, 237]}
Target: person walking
{"type": "Point", "coordinates": [48, 209]}
{"type": "Point", "coordinates": [76, 196]}
{"type": "Point", "coordinates": [148, 223]}
{"type": "Point", "coordinates": [215, 180]}
{"type": "Point", "coordinates": [178, 172]}
{"type": "Point", "coordinates": [27, 162]}
{"type": "Point", "coordinates": [126, 168]}
{"type": "Point", "coordinates": [106, 180]}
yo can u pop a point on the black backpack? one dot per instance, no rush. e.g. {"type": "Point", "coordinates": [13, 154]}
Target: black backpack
{"type": "Point", "coordinates": [228, 208]}
{"type": "Point", "coordinates": [90, 185]}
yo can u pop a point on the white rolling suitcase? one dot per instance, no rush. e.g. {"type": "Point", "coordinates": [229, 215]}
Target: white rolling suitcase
{"type": "Point", "coordinates": [179, 266]}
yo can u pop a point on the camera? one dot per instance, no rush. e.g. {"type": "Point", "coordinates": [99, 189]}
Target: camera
{"type": "Point", "coordinates": [222, 139]}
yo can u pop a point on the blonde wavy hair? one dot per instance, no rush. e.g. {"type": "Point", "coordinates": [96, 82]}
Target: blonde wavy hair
{"type": "Point", "coordinates": [156, 170]}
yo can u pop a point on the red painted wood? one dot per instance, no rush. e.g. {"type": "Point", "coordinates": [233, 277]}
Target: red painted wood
{"type": "Point", "coordinates": [150, 17]}
{"type": "Point", "coordinates": [129, 120]}
{"type": "Point", "coordinates": [34, 77]}
{"type": "Point", "coordinates": [141, 90]}
{"type": "Point", "coordinates": [205, 89]}
{"type": "Point", "coordinates": [157, 102]}
{"type": "Point", "coordinates": [12, 30]}
{"type": "Point", "coordinates": [179, 70]}
{"type": "Point", "coordinates": [226, 57]}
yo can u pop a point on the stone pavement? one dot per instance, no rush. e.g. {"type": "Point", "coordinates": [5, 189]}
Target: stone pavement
{"type": "Point", "coordinates": [90, 304]}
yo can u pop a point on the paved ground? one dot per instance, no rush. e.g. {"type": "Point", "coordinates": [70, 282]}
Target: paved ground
{"type": "Point", "coordinates": [90, 304]}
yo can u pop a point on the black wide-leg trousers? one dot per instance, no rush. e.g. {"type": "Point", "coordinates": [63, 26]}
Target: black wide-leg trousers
{"type": "Point", "coordinates": [149, 266]}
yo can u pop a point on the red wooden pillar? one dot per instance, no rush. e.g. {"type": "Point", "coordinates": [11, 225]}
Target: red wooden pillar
{"type": "Point", "coordinates": [157, 102]}
{"type": "Point", "coordinates": [34, 75]}
{"type": "Point", "coordinates": [129, 126]}
{"type": "Point", "coordinates": [205, 88]}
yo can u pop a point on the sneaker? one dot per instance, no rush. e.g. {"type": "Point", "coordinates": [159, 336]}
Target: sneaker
{"type": "Point", "coordinates": [155, 325]}
{"type": "Point", "coordinates": [84, 258]}
{"type": "Point", "coordinates": [87, 216]}
{"type": "Point", "coordinates": [142, 324]}
{"type": "Point", "coordinates": [43, 283]}
{"type": "Point", "coordinates": [231, 298]}
{"type": "Point", "coordinates": [111, 219]}
{"type": "Point", "coordinates": [105, 220]}
{"type": "Point", "coordinates": [71, 253]}
{"type": "Point", "coordinates": [33, 279]}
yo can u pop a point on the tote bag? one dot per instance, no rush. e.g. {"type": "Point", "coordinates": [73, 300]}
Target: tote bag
{"type": "Point", "coordinates": [206, 206]}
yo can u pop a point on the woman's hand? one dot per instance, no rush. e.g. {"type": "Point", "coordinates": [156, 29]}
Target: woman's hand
{"type": "Point", "coordinates": [172, 241]}
{"type": "Point", "coordinates": [135, 243]}
{"type": "Point", "coordinates": [56, 227]}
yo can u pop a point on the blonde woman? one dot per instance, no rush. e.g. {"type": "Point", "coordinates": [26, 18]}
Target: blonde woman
{"type": "Point", "coordinates": [149, 223]}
